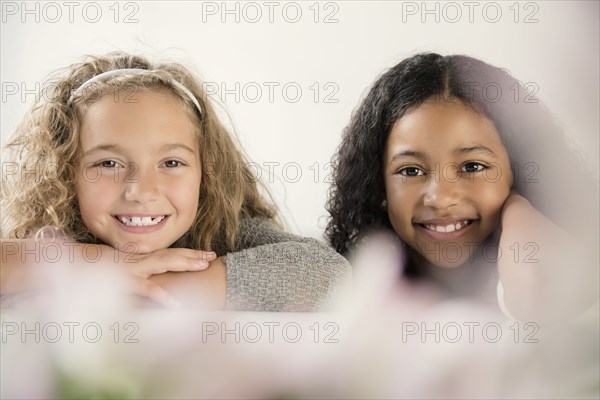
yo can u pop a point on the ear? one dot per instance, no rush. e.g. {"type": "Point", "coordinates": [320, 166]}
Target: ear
{"type": "Point", "coordinates": [383, 205]}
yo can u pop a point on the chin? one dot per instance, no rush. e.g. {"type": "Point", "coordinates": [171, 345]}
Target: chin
{"type": "Point", "coordinates": [448, 264]}
{"type": "Point", "coordinates": [140, 247]}
{"type": "Point", "coordinates": [147, 248]}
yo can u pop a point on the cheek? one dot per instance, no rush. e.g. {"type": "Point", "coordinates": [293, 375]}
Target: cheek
{"type": "Point", "coordinates": [186, 195]}
{"type": "Point", "coordinates": [492, 197]}
{"type": "Point", "coordinates": [400, 219]}
{"type": "Point", "coordinates": [89, 205]}
{"type": "Point", "coordinates": [83, 194]}
{"type": "Point", "coordinates": [400, 205]}
{"type": "Point", "coordinates": [92, 196]}
{"type": "Point", "coordinates": [191, 203]}
{"type": "Point", "coordinates": [394, 189]}
{"type": "Point", "coordinates": [402, 195]}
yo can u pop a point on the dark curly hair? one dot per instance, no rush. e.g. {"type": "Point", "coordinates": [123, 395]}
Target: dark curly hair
{"type": "Point", "coordinates": [546, 169]}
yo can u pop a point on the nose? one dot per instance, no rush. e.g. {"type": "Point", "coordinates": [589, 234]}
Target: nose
{"type": "Point", "coordinates": [141, 185]}
{"type": "Point", "coordinates": [441, 193]}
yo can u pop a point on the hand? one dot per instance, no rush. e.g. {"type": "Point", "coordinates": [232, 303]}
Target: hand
{"type": "Point", "coordinates": [546, 272]}
{"type": "Point", "coordinates": [143, 266]}
{"type": "Point", "coordinates": [206, 289]}
{"type": "Point", "coordinates": [515, 204]}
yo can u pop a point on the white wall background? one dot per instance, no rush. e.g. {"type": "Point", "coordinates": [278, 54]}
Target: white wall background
{"type": "Point", "coordinates": [338, 47]}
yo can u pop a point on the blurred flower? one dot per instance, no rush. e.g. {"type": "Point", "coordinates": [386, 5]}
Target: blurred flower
{"type": "Point", "coordinates": [392, 339]}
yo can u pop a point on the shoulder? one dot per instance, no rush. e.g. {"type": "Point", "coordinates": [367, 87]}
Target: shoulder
{"type": "Point", "coordinates": [275, 270]}
{"type": "Point", "coordinates": [260, 238]}
{"type": "Point", "coordinates": [260, 231]}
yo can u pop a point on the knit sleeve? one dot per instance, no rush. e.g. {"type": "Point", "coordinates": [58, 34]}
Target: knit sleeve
{"type": "Point", "coordinates": [279, 271]}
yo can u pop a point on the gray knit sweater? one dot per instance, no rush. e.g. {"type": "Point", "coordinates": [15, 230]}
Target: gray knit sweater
{"type": "Point", "coordinates": [278, 271]}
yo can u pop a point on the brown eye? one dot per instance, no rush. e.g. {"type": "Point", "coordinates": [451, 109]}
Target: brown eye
{"type": "Point", "coordinates": [411, 171]}
{"type": "Point", "coordinates": [472, 167]}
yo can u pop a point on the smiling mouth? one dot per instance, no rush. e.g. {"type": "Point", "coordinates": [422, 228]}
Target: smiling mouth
{"type": "Point", "coordinates": [452, 227]}
{"type": "Point", "coordinates": [140, 221]}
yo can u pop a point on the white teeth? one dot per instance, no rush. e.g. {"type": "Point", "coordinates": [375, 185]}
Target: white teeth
{"type": "Point", "coordinates": [141, 221]}
{"type": "Point", "coordinates": [448, 228]}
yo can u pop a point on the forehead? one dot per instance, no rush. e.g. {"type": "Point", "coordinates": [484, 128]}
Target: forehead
{"type": "Point", "coordinates": [443, 125]}
{"type": "Point", "coordinates": [143, 115]}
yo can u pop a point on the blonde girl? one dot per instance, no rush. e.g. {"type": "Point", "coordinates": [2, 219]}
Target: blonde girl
{"type": "Point", "coordinates": [131, 157]}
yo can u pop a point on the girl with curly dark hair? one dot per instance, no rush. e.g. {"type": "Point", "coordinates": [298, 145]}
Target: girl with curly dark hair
{"type": "Point", "coordinates": [476, 178]}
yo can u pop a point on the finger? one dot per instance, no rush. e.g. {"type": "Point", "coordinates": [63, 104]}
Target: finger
{"type": "Point", "coordinates": [183, 252]}
{"type": "Point", "coordinates": [151, 290]}
{"type": "Point", "coordinates": [207, 255]}
{"type": "Point", "coordinates": [191, 253]}
{"type": "Point", "coordinates": [196, 255]}
{"type": "Point", "coordinates": [164, 262]}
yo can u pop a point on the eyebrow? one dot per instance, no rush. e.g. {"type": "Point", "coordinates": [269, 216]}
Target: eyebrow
{"type": "Point", "coordinates": [474, 149]}
{"type": "Point", "coordinates": [175, 146]}
{"type": "Point", "coordinates": [409, 153]}
{"type": "Point", "coordinates": [101, 147]}
{"type": "Point", "coordinates": [457, 152]}
{"type": "Point", "coordinates": [118, 149]}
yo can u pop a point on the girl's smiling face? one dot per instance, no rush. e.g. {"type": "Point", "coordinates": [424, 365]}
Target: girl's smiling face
{"type": "Point", "coordinates": [138, 179]}
{"type": "Point", "coordinates": [447, 175]}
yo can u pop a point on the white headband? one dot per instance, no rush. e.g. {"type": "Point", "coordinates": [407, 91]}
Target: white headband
{"type": "Point", "coordinates": [131, 71]}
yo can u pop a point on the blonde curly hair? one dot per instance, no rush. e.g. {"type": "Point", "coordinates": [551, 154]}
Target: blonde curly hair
{"type": "Point", "coordinates": [38, 186]}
